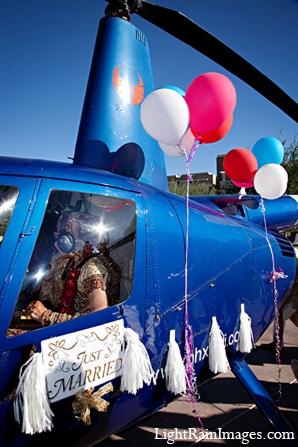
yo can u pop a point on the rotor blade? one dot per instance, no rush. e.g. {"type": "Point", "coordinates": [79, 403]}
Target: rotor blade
{"type": "Point", "coordinates": [184, 29]}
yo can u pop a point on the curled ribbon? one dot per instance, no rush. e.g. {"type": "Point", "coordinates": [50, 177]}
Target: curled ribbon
{"type": "Point", "coordinates": [85, 400]}
{"type": "Point", "coordinates": [277, 274]}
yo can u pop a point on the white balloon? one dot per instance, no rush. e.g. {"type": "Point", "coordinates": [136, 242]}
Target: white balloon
{"type": "Point", "coordinates": [271, 181]}
{"type": "Point", "coordinates": [174, 151]}
{"type": "Point", "coordinates": [182, 148]}
{"type": "Point", "coordinates": [187, 141]}
{"type": "Point", "coordinates": [165, 116]}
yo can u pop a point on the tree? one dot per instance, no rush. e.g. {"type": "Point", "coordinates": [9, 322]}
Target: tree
{"type": "Point", "coordinates": [228, 187]}
{"type": "Point", "coordinates": [290, 163]}
{"type": "Point", "coordinates": [195, 188]}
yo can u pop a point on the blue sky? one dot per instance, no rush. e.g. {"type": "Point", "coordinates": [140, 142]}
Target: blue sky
{"type": "Point", "coordinates": [46, 48]}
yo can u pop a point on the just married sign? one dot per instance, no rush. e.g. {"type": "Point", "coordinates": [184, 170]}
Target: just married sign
{"type": "Point", "coordinates": [82, 359]}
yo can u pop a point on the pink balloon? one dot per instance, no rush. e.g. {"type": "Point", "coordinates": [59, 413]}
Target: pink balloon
{"type": "Point", "coordinates": [211, 98]}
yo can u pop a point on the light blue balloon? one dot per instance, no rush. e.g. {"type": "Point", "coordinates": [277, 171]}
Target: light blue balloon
{"type": "Point", "coordinates": [268, 150]}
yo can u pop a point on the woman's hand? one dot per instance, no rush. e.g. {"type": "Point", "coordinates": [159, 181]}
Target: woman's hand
{"type": "Point", "coordinates": [36, 309]}
{"type": "Point", "coordinates": [97, 300]}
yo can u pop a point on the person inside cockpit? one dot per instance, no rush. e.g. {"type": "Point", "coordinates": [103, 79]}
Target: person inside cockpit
{"type": "Point", "coordinates": [84, 280]}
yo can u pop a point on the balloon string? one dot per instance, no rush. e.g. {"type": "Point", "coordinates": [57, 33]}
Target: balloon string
{"type": "Point", "coordinates": [275, 274]}
{"type": "Point", "coordinates": [191, 385]}
{"type": "Point", "coordinates": [188, 178]}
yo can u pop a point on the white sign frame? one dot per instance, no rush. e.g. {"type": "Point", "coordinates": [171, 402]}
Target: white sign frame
{"type": "Point", "coordinates": [82, 359]}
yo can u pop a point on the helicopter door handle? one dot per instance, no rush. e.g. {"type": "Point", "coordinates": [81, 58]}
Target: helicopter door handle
{"type": "Point", "coordinates": [22, 235]}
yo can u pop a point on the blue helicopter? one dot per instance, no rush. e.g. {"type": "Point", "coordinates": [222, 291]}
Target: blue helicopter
{"type": "Point", "coordinates": [114, 192]}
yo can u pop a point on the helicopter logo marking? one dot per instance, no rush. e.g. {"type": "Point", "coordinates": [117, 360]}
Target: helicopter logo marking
{"type": "Point", "coordinates": [129, 94]}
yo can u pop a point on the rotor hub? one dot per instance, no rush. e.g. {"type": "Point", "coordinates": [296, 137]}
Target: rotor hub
{"type": "Point", "coordinates": [122, 8]}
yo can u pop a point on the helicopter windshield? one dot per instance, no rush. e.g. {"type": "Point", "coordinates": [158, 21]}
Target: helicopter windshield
{"type": "Point", "coordinates": [91, 234]}
{"type": "Point", "coordinates": [8, 197]}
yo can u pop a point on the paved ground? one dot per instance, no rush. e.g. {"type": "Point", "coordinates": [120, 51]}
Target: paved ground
{"type": "Point", "coordinates": [225, 404]}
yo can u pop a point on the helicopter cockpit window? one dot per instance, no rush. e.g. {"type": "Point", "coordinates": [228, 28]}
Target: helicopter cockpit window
{"type": "Point", "coordinates": [8, 198]}
{"type": "Point", "coordinates": [82, 262]}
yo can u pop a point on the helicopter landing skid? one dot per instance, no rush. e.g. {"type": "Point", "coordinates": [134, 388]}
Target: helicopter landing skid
{"type": "Point", "coordinates": [263, 400]}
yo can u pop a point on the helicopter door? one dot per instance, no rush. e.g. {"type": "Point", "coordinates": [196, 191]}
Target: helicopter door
{"type": "Point", "coordinates": [110, 215]}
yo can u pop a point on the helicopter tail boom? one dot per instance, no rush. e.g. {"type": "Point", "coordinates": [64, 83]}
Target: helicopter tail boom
{"type": "Point", "coordinates": [276, 215]}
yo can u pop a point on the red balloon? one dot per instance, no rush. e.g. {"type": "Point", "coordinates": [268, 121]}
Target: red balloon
{"type": "Point", "coordinates": [240, 166]}
{"type": "Point", "coordinates": [215, 135]}
{"type": "Point", "coordinates": [211, 99]}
